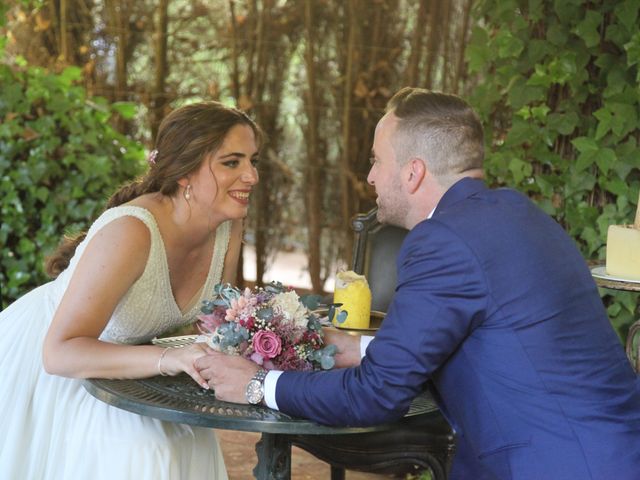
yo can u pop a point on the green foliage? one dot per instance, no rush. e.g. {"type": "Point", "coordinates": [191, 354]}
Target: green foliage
{"type": "Point", "coordinates": [560, 96]}
{"type": "Point", "coordinates": [59, 161]}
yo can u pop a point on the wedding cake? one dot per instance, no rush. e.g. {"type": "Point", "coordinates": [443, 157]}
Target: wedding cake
{"type": "Point", "coordinates": [623, 249]}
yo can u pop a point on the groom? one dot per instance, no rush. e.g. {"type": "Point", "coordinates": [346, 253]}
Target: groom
{"type": "Point", "coordinates": [494, 305]}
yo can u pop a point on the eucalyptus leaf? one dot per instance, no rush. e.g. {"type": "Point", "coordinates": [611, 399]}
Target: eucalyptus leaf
{"type": "Point", "coordinates": [327, 363]}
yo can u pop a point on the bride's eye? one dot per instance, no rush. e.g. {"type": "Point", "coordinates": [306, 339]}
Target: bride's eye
{"type": "Point", "coordinates": [230, 163]}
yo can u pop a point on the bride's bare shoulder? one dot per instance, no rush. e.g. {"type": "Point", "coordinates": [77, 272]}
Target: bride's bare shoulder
{"type": "Point", "coordinates": [126, 232]}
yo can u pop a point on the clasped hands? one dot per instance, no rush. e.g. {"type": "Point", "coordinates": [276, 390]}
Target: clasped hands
{"type": "Point", "coordinates": [228, 375]}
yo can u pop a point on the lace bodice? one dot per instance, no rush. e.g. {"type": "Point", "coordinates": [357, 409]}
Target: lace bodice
{"type": "Point", "coordinates": [149, 308]}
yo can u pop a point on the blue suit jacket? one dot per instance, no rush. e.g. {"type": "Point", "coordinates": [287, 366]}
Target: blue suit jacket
{"type": "Point", "coordinates": [497, 307]}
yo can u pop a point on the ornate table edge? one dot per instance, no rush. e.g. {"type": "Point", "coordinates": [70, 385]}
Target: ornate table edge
{"type": "Point", "coordinates": [147, 397]}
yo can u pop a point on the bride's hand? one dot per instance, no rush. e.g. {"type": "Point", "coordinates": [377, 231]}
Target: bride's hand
{"type": "Point", "coordinates": [177, 360]}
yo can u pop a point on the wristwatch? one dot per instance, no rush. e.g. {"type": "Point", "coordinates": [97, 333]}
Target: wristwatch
{"type": "Point", "coordinates": [255, 388]}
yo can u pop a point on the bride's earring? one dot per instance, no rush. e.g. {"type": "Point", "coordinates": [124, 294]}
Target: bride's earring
{"type": "Point", "coordinates": [187, 193]}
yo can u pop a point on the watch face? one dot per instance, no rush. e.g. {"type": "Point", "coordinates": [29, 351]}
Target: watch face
{"type": "Point", "coordinates": [254, 391]}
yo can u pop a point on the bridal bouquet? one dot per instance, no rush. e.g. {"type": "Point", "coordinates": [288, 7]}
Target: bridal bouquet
{"type": "Point", "coordinates": [272, 326]}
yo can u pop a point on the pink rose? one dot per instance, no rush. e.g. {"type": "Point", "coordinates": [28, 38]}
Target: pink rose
{"type": "Point", "coordinates": [267, 344]}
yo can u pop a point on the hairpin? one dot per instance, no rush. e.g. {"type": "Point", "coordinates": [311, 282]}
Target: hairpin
{"type": "Point", "coordinates": [151, 159]}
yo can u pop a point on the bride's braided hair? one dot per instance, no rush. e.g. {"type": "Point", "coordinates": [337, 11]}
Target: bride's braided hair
{"type": "Point", "coordinates": [184, 138]}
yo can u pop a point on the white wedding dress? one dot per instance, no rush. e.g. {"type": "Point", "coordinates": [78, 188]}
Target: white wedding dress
{"type": "Point", "coordinates": [52, 428]}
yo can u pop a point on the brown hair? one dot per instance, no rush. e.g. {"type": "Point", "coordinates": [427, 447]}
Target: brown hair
{"type": "Point", "coordinates": [441, 128]}
{"type": "Point", "coordinates": [185, 137]}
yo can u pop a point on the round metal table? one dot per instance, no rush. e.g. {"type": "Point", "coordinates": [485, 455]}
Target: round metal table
{"type": "Point", "coordinates": [179, 399]}
{"type": "Point", "coordinates": [605, 281]}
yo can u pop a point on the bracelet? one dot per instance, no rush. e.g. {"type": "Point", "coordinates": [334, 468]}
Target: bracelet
{"type": "Point", "coordinates": [164, 352]}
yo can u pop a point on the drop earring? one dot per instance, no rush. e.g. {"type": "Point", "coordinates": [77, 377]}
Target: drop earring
{"type": "Point", "coordinates": [187, 192]}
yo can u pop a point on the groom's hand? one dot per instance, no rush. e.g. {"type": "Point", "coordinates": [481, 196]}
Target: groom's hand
{"type": "Point", "coordinates": [348, 347]}
{"type": "Point", "coordinates": [227, 375]}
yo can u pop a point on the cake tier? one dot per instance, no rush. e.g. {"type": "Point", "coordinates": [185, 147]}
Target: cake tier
{"type": "Point", "coordinates": [623, 252]}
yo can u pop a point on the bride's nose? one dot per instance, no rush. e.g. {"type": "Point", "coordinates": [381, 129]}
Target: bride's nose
{"type": "Point", "coordinates": [249, 175]}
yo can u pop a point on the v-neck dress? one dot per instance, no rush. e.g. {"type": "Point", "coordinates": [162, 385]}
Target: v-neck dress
{"type": "Point", "coordinates": [52, 428]}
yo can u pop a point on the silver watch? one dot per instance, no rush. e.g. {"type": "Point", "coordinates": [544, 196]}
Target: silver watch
{"type": "Point", "coordinates": [255, 388]}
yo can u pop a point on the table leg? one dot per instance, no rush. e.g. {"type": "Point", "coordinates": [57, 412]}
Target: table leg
{"type": "Point", "coordinates": [634, 356]}
{"type": "Point", "coordinates": [274, 457]}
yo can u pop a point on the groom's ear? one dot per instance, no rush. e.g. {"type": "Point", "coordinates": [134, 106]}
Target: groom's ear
{"type": "Point", "coordinates": [416, 170]}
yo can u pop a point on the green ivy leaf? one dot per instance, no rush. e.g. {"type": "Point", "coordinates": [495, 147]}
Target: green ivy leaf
{"type": "Point", "coordinates": [626, 13]}
{"type": "Point", "coordinates": [585, 144]}
{"type": "Point", "coordinates": [633, 52]}
{"type": "Point", "coordinates": [126, 109]}
{"type": "Point", "coordinates": [521, 93]}
{"type": "Point", "coordinates": [605, 159]}
{"type": "Point", "coordinates": [507, 45]}
{"type": "Point", "coordinates": [564, 123]}
{"type": "Point", "coordinates": [587, 29]}
{"type": "Point", "coordinates": [478, 52]}
{"type": "Point", "coordinates": [568, 10]}
{"type": "Point", "coordinates": [616, 186]}
{"type": "Point", "coordinates": [540, 112]}
{"type": "Point", "coordinates": [624, 118]}
{"type": "Point", "coordinates": [70, 75]}
{"type": "Point", "coordinates": [586, 159]}
{"type": "Point", "coordinates": [557, 35]}
{"type": "Point", "coordinates": [605, 119]}
{"type": "Point", "coordinates": [519, 169]}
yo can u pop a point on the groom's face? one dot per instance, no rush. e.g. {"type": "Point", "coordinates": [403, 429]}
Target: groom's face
{"type": "Point", "coordinates": [386, 175]}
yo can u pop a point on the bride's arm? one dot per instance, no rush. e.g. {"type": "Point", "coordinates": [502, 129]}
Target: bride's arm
{"type": "Point", "coordinates": [112, 261]}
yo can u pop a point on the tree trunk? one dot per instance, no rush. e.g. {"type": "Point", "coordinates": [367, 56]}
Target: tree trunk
{"type": "Point", "coordinates": [349, 84]}
{"type": "Point", "coordinates": [118, 26]}
{"type": "Point", "coordinates": [64, 33]}
{"type": "Point", "coordinates": [444, 38]}
{"type": "Point", "coordinates": [411, 72]}
{"type": "Point", "coordinates": [313, 193]}
{"type": "Point", "coordinates": [460, 67]}
{"type": "Point", "coordinates": [159, 98]}
{"type": "Point", "coordinates": [256, 86]}
{"type": "Point", "coordinates": [432, 43]}
{"type": "Point", "coordinates": [235, 71]}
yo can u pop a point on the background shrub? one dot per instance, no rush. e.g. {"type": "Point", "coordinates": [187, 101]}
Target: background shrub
{"type": "Point", "coordinates": [560, 100]}
{"type": "Point", "coordinates": [59, 161]}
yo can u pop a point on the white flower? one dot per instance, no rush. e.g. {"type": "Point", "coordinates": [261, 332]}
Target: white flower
{"type": "Point", "coordinates": [289, 306]}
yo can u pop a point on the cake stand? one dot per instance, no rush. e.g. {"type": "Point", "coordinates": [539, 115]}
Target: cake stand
{"type": "Point", "coordinates": [604, 280]}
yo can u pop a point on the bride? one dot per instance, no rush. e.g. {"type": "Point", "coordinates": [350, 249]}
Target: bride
{"type": "Point", "coordinates": [142, 269]}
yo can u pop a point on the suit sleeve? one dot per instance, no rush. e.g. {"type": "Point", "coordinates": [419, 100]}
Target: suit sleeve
{"type": "Point", "coordinates": [439, 299]}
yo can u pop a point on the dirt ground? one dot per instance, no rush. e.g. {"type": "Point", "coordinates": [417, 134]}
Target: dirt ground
{"type": "Point", "coordinates": [239, 453]}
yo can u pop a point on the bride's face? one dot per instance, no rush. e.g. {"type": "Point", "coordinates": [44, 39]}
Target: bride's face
{"type": "Point", "coordinates": [224, 182]}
